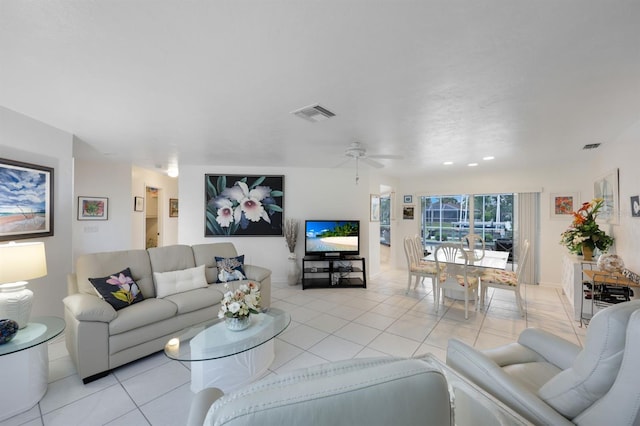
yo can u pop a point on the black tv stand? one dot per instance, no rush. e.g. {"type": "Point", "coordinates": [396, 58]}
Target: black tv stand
{"type": "Point", "coordinates": [326, 272]}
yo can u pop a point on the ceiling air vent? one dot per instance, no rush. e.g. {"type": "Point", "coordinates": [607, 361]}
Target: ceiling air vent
{"type": "Point", "coordinates": [591, 146]}
{"type": "Point", "coordinates": [314, 113]}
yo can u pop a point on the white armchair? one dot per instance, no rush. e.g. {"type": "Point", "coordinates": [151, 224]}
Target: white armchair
{"type": "Point", "coordinates": [549, 380]}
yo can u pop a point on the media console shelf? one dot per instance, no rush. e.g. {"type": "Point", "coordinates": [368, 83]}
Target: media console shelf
{"type": "Point", "coordinates": [326, 272]}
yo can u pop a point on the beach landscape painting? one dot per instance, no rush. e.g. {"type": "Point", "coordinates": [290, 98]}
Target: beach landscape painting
{"type": "Point", "coordinates": [26, 200]}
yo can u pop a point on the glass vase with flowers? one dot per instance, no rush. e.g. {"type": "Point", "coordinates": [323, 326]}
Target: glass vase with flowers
{"type": "Point", "coordinates": [584, 235]}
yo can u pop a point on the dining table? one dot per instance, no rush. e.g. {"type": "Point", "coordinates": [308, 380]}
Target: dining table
{"type": "Point", "coordinates": [491, 259]}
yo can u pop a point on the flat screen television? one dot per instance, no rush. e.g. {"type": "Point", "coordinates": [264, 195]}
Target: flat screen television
{"type": "Point", "coordinates": [332, 238]}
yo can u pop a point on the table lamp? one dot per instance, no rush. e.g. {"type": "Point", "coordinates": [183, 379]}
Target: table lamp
{"type": "Point", "coordinates": [19, 262]}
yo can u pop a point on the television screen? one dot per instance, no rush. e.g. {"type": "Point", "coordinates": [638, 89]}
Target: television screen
{"type": "Point", "coordinates": [332, 237]}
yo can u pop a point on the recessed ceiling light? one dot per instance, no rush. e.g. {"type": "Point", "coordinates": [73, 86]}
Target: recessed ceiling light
{"type": "Point", "coordinates": [472, 164]}
{"type": "Point", "coordinates": [448, 163]}
{"type": "Point", "coordinates": [489, 157]}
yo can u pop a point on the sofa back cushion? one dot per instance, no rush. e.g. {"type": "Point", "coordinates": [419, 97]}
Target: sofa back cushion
{"type": "Point", "coordinates": [596, 366]}
{"type": "Point", "coordinates": [205, 254]}
{"type": "Point", "coordinates": [104, 264]}
{"type": "Point", "coordinates": [171, 258]}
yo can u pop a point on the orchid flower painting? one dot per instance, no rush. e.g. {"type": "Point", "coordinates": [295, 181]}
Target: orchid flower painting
{"type": "Point", "coordinates": [243, 205]}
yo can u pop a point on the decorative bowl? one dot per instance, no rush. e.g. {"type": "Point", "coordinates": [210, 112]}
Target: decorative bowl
{"type": "Point", "coordinates": [610, 263]}
{"type": "Point", "coordinates": [8, 329]}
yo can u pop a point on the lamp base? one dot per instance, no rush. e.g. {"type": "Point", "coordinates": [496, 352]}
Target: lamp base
{"type": "Point", "coordinates": [15, 302]}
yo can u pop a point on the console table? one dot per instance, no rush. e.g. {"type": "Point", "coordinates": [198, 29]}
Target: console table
{"type": "Point", "coordinates": [572, 267]}
{"type": "Point", "coordinates": [24, 362]}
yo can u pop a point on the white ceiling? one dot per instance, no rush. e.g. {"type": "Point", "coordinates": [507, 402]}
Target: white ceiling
{"type": "Point", "coordinates": [213, 82]}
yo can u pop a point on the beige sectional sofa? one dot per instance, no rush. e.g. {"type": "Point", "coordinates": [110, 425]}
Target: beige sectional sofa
{"type": "Point", "coordinates": [100, 338]}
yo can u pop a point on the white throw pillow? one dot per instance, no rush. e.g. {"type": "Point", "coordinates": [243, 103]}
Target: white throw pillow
{"type": "Point", "coordinates": [173, 282]}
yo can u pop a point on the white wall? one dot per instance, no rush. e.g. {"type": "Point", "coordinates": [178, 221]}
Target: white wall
{"type": "Point", "coordinates": [27, 140]}
{"type": "Point", "coordinates": [308, 194]}
{"type": "Point", "coordinates": [109, 179]}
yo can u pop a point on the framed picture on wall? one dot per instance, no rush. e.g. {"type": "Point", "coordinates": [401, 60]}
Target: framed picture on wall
{"type": "Point", "coordinates": [408, 199]}
{"type": "Point", "coordinates": [93, 208]}
{"type": "Point", "coordinates": [374, 209]}
{"type": "Point", "coordinates": [408, 212]}
{"type": "Point", "coordinates": [26, 200]}
{"type": "Point", "coordinates": [138, 204]}
{"type": "Point", "coordinates": [563, 204]}
{"type": "Point", "coordinates": [607, 188]}
{"type": "Point", "coordinates": [243, 205]}
{"type": "Point", "coordinates": [635, 206]}
{"type": "Point", "coordinates": [173, 207]}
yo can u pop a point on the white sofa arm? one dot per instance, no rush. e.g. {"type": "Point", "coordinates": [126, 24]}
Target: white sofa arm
{"type": "Point", "coordinates": [256, 273]}
{"type": "Point", "coordinates": [85, 307]}
{"type": "Point", "coordinates": [554, 349]}
{"type": "Point", "coordinates": [484, 372]}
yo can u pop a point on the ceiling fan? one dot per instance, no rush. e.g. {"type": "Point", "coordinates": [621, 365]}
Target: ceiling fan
{"type": "Point", "coordinates": [357, 152]}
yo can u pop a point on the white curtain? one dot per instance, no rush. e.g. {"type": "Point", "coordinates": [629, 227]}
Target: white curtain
{"type": "Point", "coordinates": [527, 208]}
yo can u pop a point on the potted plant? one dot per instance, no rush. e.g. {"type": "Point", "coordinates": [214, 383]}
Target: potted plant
{"type": "Point", "coordinates": [584, 235]}
{"type": "Point", "coordinates": [291, 237]}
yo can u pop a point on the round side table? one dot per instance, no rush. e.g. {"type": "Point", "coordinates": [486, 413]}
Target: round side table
{"type": "Point", "coordinates": [24, 362]}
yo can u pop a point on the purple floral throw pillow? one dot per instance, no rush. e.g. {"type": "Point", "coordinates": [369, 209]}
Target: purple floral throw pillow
{"type": "Point", "coordinates": [119, 289]}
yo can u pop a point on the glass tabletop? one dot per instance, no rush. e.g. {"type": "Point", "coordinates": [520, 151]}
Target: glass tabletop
{"type": "Point", "coordinates": [36, 332]}
{"type": "Point", "coordinates": [491, 259]}
{"type": "Point", "coordinates": [212, 340]}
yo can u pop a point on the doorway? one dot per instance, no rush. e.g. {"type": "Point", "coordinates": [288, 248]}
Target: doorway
{"type": "Point", "coordinates": [152, 217]}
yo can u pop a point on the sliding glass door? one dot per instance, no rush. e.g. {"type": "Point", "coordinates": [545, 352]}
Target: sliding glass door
{"type": "Point", "coordinates": [448, 218]}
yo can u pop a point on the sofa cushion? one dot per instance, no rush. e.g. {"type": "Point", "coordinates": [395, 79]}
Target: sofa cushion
{"type": "Point", "coordinates": [118, 289]}
{"type": "Point", "coordinates": [595, 367]}
{"type": "Point", "coordinates": [146, 312]}
{"type": "Point", "coordinates": [230, 268]}
{"type": "Point", "coordinates": [193, 300]}
{"type": "Point", "coordinates": [173, 282]}
{"type": "Point", "coordinates": [205, 254]}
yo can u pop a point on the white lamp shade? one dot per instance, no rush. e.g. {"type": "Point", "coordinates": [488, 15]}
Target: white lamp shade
{"type": "Point", "coordinates": [22, 261]}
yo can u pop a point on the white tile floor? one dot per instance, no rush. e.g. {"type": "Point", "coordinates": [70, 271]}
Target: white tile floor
{"type": "Point", "coordinates": [327, 325]}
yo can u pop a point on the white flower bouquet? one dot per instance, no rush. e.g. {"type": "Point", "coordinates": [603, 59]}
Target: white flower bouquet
{"type": "Point", "coordinates": [240, 302]}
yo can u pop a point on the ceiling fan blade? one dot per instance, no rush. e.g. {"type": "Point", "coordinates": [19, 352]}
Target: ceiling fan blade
{"type": "Point", "coordinates": [387, 157]}
{"type": "Point", "coordinates": [372, 163]}
{"type": "Point", "coordinates": [342, 163]}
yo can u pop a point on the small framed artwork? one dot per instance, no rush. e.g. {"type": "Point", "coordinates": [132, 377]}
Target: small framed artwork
{"type": "Point", "coordinates": [375, 208]}
{"type": "Point", "coordinates": [173, 207]}
{"type": "Point", "coordinates": [93, 208]}
{"type": "Point", "coordinates": [635, 206]}
{"type": "Point", "coordinates": [138, 204]}
{"type": "Point", "coordinates": [408, 212]}
{"type": "Point", "coordinates": [408, 199]}
{"type": "Point", "coordinates": [26, 200]}
{"type": "Point", "coordinates": [563, 204]}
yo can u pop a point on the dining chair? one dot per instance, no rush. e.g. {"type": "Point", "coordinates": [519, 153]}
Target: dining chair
{"type": "Point", "coordinates": [507, 280]}
{"type": "Point", "coordinates": [459, 274]}
{"type": "Point", "coordinates": [469, 244]}
{"type": "Point", "coordinates": [419, 268]}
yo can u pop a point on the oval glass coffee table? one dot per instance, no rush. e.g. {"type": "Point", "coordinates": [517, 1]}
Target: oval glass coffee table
{"type": "Point", "coordinates": [228, 359]}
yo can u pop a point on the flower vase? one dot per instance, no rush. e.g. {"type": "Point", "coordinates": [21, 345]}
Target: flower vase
{"type": "Point", "coordinates": [587, 252]}
{"type": "Point", "coordinates": [293, 274]}
{"type": "Point", "coordinates": [237, 323]}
